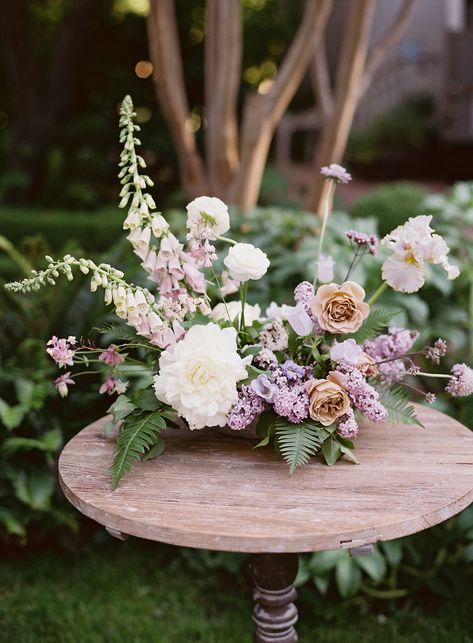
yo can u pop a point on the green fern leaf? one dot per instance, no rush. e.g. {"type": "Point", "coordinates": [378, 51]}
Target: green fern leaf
{"type": "Point", "coordinates": [400, 410]}
{"type": "Point", "coordinates": [297, 442]}
{"type": "Point", "coordinates": [137, 435]}
{"type": "Point", "coordinates": [378, 319]}
{"type": "Point", "coordinates": [118, 330]}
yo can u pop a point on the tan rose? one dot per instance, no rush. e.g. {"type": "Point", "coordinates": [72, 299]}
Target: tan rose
{"type": "Point", "coordinates": [327, 400]}
{"type": "Point", "coordinates": [367, 365]}
{"type": "Point", "coordinates": [340, 309]}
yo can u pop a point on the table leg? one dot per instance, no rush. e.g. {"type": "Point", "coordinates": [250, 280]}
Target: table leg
{"type": "Point", "coordinates": [274, 613]}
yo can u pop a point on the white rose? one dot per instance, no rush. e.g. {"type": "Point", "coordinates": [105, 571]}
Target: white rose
{"type": "Point", "coordinates": [233, 309]}
{"type": "Point", "coordinates": [208, 212]}
{"type": "Point", "coordinates": [245, 262]}
{"type": "Point", "coordinates": [198, 376]}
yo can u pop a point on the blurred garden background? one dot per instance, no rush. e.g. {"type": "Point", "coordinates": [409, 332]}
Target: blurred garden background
{"type": "Point", "coordinates": [242, 100]}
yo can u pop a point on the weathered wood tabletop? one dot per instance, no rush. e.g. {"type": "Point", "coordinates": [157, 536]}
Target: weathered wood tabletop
{"type": "Point", "coordinates": [216, 492]}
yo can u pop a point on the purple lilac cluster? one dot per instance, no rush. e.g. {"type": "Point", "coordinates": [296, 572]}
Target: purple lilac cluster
{"type": "Point", "coordinates": [364, 396]}
{"type": "Point", "coordinates": [274, 336]}
{"type": "Point", "coordinates": [248, 406]}
{"type": "Point", "coordinates": [283, 387]}
{"type": "Point", "coordinates": [370, 241]}
{"type": "Point", "coordinates": [348, 427]}
{"type": "Point", "coordinates": [461, 381]}
{"type": "Point", "coordinates": [304, 294]}
{"type": "Point", "coordinates": [386, 349]}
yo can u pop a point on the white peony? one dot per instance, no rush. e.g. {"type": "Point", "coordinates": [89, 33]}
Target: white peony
{"type": "Point", "coordinates": [198, 376]}
{"type": "Point", "coordinates": [245, 262]}
{"type": "Point", "coordinates": [208, 212]}
{"type": "Point", "coordinates": [233, 309]}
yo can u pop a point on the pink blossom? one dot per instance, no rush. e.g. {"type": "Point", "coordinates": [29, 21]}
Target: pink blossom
{"type": "Point", "coordinates": [61, 351]}
{"type": "Point", "coordinates": [111, 357]}
{"type": "Point", "coordinates": [461, 382]}
{"type": "Point", "coordinates": [348, 427]}
{"type": "Point", "coordinates": [62, 382]}
{"type": "Point", "coordinates": [113, 385]}
{"type": "Point", "coordinates": [335, 172]}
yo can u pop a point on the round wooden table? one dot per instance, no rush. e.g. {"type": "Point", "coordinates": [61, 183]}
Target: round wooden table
{"type": "Point", "coordinates": [213, 491]}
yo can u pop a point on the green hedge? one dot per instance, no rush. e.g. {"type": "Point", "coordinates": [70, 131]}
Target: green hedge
{"type": "Point", "coordinates": [94, 230]}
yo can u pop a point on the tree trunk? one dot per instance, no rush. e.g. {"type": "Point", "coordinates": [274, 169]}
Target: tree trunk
{"type": "Point", "coordinates": [169, 83]}
{"type": "Point", "coordinates": [223, 51]}
{"type": "Point", "coordinates": [263, 112]}
{"type": "Point", "coordinates": [350, 73]}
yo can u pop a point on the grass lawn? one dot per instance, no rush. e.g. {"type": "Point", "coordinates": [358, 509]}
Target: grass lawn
{"type": "Point", "coordinates": [141, 593]}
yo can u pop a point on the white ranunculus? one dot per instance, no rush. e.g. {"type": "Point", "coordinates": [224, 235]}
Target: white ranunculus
{"type": "Point", "coordinates": [198, 376]}
{"type": "Point", "coordinates": [232, 309]}
{"type": "Point", "coordinates": [208, 212]}
{"type": "Point", "coordinates": [245, 262]}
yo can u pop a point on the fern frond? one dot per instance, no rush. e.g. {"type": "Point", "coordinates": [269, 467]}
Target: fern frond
{"type": "Point", "coordinates": [137, 434]}
{"type": "Point", "coordinates": [400, 410]}
{"type": "Point", "coordinates": [118, 330]}
{"type": "Point", "coordinates": [297, 442]}
{"type": "Point", "coordinates": [378, 319]}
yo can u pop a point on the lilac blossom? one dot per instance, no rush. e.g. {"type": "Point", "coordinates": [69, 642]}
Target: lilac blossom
{"type": "Point", "coordinates": [364, 396]}
{"type": "Point", "coordinates": [247, 408]}
{"type": "Point", "coordinates": [292, 370]}
{"type": "Point", "coordinates": [388, 348]}
{"type": "Point", "coordinates": [435, 352]}
{"type": "Point", "coordinates": [461, 381]}
{"type": "Point", "coordinates": [348, 427]}
{"type": "Point", "coordinates": [274, 336]}
{"type": "Point", "coordinates": [292, 401]}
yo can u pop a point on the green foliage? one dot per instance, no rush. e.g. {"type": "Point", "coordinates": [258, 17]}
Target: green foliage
{"type": "Point", "coordinates": [137, 435]}
{"type": "Point", "coordinates": [391, 205]}
{"type": "Point", "coordinates": [298, 442]}
{"type": "Point", "coordinates": [397, 402]}
{"type": "Point", "coordinates": [377, 321]}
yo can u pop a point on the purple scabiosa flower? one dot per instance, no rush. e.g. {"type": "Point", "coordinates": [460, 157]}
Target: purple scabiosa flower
{"type": "Point", "coordinates": [264, 388]}
{"type": "Point", "coordinates": [461, 381]}
{"type": "Point", "coordinates": [348, 427]}
{"type": "Point", "coordinates": [248, 406]}
{"type": "Point", "coordinates": [336, 173]}
{"type": "Point", "coordinates": [292, 370]}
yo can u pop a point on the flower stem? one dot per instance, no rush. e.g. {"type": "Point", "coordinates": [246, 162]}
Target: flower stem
{"type": "Point", "coordinates": [227, 240]}
{"type": "Point", "coordinates": [243, 291]}
{"type": "Point", "coordinates": [217, 281]}
{"type": "Point", "coordinates": [377, 294]}
{"type": "Point", "coordinates": [439, 375]}
{"type": "Point", "coordinates": [326, 214]}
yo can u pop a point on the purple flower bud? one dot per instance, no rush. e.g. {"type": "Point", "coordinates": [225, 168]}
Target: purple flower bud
{"type": "Point", "coordinates": [299, 320]}
{"type": "Point", "coordinates": [264, 388]}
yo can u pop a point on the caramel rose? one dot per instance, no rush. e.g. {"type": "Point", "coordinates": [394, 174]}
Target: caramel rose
{"type": "Point", "coordinates": [340, 309]}
{"type": "Point", "coordinates": [367, 365]}
{"type": "Point", "coordinates": [327, 401]}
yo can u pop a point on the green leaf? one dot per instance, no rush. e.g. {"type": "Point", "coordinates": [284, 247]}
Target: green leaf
{"type": "Point", "coordinates": [297, 442]}
{"type": "Point", "coordinates": [348, 453]}
{"type": "Point", "coordinates": [118, 330]}
{"type": "Point", "coordinates": [11, 416]}
{"type": "Point", "coordinates": [11, 523]}
{"type": "Point", "coordinates": [34, 489]}
{"type": "Point", "coordinates": [49, 441]}
{"type": "Point", "coordinates": [25, 391]}
{"type": "Point", "coordinates": [331, 451]}
{"type": "Point", "coordinates": [136, 436]}
{"type": "Point", "coordinates": [146, 400]}
{"type": "Point", "coordinates": [348, 576]}
{"type": "Point", "coordinates": [400, 410]}
{"type": "Point", "coordinates": [121, 408]}
{"type": "Point", "coordinates": [155, 451]}
{"type": "Point", "coordinates": [393, 551]}
{"type": "Point", "coordinates": [374, 565]}
{"type": "Point", "coordinates": [378, 319]}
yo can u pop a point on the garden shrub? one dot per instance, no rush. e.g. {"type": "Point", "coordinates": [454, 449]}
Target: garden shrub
{"type": "Point", "coordinates": [391, 204]}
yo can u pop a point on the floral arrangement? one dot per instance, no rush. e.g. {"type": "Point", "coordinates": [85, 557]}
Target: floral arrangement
{"type": "Point", "coordinates": [188, 355]}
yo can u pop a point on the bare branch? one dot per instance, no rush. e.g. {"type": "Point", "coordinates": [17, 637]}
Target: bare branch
{"type": "Point", "coordinates": [223, 70]}
{"type": "Point", "coordinates": [169, 83]}
{"type": "Point", "coordinates": [387, 42]}
{"type": "Point", "coordinates": [320, 76]}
